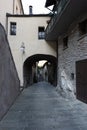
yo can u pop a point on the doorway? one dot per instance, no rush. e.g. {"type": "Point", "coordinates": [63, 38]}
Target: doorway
{"type": "Point", "coordinates": [81, 80]}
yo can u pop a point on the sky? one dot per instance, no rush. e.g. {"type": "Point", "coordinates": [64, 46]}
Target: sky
{"type": "Point", "coordinates": [38, 6]}
{"type": "Point", "coordinates": [41, 63]}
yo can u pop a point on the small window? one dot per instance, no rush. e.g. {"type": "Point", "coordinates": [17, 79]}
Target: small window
{"type": "Point", "coordinates": [83, 27]}
{"type": "Point", "coordinates": [72, 76]}
{"type": "Point", "coordinates": [65, 42]}
{"type": "Point", "coordinates": [13, 28]}
{"type": "Point", "coordinates": [41, 33]}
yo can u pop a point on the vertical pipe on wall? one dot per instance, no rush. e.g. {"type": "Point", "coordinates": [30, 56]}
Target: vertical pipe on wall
{"type": "Point", "coordinates": [13, 5]}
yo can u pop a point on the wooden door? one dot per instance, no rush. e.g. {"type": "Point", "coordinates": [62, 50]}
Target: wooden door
{"type": "Point", "coordinates": [81, 80]}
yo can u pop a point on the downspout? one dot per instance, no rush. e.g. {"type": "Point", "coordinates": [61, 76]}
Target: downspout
{"type": "Point", "coordinates": [57, 63]}
{"type": "Point", "coordinates": [13, 5]}
{"type": "Point", "coordinates": [7, 25]}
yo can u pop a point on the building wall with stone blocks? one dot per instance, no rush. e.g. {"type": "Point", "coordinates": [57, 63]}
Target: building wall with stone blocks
{"type": "Point", "coordinates": [76, 50]}
{"type": "Point", "coordinates": [9, 82]}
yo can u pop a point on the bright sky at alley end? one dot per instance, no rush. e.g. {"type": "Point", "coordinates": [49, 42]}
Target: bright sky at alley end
{"type": "Point", "coordinates": [38, 6]}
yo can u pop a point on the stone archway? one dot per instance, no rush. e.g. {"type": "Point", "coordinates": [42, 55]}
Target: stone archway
{"type": "Point", "coordinates": [29, 69]}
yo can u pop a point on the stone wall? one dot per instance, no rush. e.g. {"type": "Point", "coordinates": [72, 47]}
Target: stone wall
{"type": "Point", "coordinates": [76, 50]}
{"type": "Point", "coordinates": [9, 82]}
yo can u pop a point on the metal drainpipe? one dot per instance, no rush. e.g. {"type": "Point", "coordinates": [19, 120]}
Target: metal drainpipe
{"type": "Point", "coordinates": [13, 5]}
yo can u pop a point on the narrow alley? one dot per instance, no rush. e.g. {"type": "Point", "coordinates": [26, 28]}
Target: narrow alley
{"type": "Point", "coordinates": [40, 107]}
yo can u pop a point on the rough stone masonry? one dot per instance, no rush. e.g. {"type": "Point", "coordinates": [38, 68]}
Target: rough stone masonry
{"type": "Point", "coordinates": [67, 57]}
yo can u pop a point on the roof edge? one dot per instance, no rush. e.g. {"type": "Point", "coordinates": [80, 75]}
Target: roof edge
{"type": "Point", "coordinates": [26, 15]}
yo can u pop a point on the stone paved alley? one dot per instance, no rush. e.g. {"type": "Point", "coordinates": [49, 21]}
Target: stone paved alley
{"type": "Point", "coordinates": [40, 107]}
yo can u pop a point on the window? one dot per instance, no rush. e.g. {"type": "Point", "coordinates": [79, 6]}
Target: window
{"type": "Point", "coordinates": [41, 32]}
{"type": "Point", "coordinates": [83, 27]}
{"type": "Point", "coordinates": [13, 28]}
{"type": "Point", "coordinates": [72, 76]}
{"type": "Point", "coordinates": [65, 42]}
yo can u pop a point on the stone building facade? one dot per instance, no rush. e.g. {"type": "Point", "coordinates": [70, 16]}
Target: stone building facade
{"type": "Point", "coordinates": [68, 27]}
{"type": "Point", "coordinates": [75, 50]}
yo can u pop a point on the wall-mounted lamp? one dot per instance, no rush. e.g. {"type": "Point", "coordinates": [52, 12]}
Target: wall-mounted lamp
{"type": "Point", "coordinates": [22, 48]}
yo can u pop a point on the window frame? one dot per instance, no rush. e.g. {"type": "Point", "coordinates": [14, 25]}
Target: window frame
{"type": "Point", "coordinates": [65, 42]}
{"type": "Point", "coordinates": [83, 27]}
{"type": "Point", "coordinates": [13, 28]}
{"type": "Point", "coordinates": [41, 32]}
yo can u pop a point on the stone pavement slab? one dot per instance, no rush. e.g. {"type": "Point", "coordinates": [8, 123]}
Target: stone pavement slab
{"type": "Point", "coordinates": [40, 107]}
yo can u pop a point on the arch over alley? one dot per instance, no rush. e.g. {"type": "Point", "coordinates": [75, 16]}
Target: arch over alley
{"type": "Point", "coordinates": [33, 74]}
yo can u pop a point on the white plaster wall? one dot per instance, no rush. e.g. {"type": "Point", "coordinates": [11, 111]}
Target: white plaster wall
{"type": "Point", "coordinates": [6, 6]}
{"type": "Point", "coordinates": [17, 5]}
{"type": "Point", "coordinates": [27, 33]}
{"type": "Point", "coordinates": [9, 6]}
